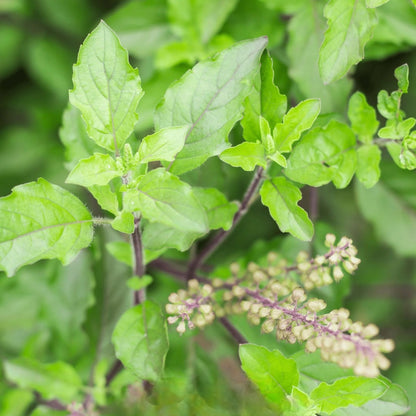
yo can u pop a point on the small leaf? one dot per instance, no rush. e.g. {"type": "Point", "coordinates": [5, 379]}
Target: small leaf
{"type": "Point", "coordinates": [124, 222]}
{"type": "Point", "coordinates": [350, 27]}
{"type": "Point", "coordinates": [163, 198]}
{"type": "Point", "coordinates": [387, 104]}
{"type": "Point", "coordinates": [349, 390]}
{"type": "Point", "coordinates": [219, 210]}
{"type": "Point", "coordinates": [397, 129]}
{"type": "Point", "coordinates": [98, 169]}
{"type": "Point", "coordinates": [363, 118]}
{"type": "Point", "coordinates": [163, 145]}
{"type": "Point", "coordinates": [368, 161]}
{"type": "Point", "coordinates": [107, 89]}
{"type": "Point", "coordinates": [281, 197]}
{"type": "Point", "coordinates": [324, 154]}
{"type": "Point", "coordinates": [122, 251]}
{"type": "Point", "coordinates": [295, 122]}
{"type": "Point", "coordinates": [137, 283]}
{"type": "Point", "coordinates": [273, 373]}
{"type": "Point", "coordinates": [402, 75]}
{"type": "Point", "coordinates": [278, 158]}
{"type": "Point", "coordinates": [246, 155]}
{"type": "Point", "coordinates": [56, 380]}
{"type": "Point", "coordinates": [39, 220]}
{"type": "Point", "coordinates": [210, 97]}
{"type": "Point", "coordinates": [105, 197]}
{"type": "Point", "coordinates": [140, 340]}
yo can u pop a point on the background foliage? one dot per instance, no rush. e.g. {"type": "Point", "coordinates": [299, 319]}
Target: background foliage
{"type": "Point", "coordinates": [51, 313]}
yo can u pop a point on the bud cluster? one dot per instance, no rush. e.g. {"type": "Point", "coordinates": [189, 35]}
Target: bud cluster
{"type": "Point", "coordinates": [272, 296]}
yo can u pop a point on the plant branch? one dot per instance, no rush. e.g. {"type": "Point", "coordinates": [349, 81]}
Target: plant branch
{"type": "Point", "coordinates": [221, 235]}
{"type": "Point", "coordinates": [139, 269]}
{"type": "Point", "coordinates": [234, 332]}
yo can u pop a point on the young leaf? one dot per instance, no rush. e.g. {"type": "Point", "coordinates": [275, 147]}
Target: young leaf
{"type": "Point", "coordinates": [105, 197]}
{"type": "Point", "coordinates": [163, 145]}
{"type": "Point", "coordinates": [301, 404]}
{"type": "Point", "coordinates": [281, 197]}
{"type": "Point", "coordinates": [296, 121]}
{"type": "Point", "coordinates": [41, 221]}
{"type": "Point", "coordinates": [368, 161]}
{"type": "Point", "coordinates": [363, 117]}
{"type": "Point", "coordinates": [220, 212]}
{"type": "Point", "coordinates": [140, 340]}
{"type": "Point", "coordinates": [163, 198]}
{"type": "Point", "coordinates": [324, 154]}
{"type": "Point", "coordinates": [345, 391]}
{"type": "Point", "coordinates": [246, 155]}
{"type": "Point", "coordinates": [266, 100]}
{"type": "Point", "coordinates": [350, 26]}
{"type": "Point", "coordinates": [273, 373]}
{"type": "Point", "coordinates": [53, 381]}
{"type": "Point", "coordinates": [107, 89]}
{"type": "Point", "coordinates": [210, 97]}
{"type": "Point", "coordinates": [401, 73]}
{"type": "Point", "coordinates": [98, 169]}
{"type": "Point", "coordinates": [124, 222]}
{"type": "Point", "coordinates": [137, 283]}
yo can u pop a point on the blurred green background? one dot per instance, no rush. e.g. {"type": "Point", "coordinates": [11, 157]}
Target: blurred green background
{"type": "Point", "coordinates": [44, 306]}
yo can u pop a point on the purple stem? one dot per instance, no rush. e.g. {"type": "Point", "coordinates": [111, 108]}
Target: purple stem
{"type": "Point", "coordinates": [139, 270]}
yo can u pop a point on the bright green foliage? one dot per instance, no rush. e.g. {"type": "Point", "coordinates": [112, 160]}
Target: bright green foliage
{"type": "Point", "coordinates": [281, 197]}
{"type": "Point", "coordinates": [210, 97]}
{"type": "Point", "coordinates": [271, 371]}
{"type": "Point", "coordinates": [368, 161]}
{"type": "Point", "coordinates": [124, 222]}
{"type": "Point", "coordinates": [163, 198]}
{"type": "Point", "coordinates": [301, 404]}
{"type": "Point", "coordinates": [324, 155]}
{"type": "Point", "coordinates": [246, 155]}
{"type": "Point", "coordinates": [375, 3]}
{"type": "Point", "coordinates": [106, 89]}
{"type": "Point", "coordinates": [41, 221]}
{"type": "Point", "coordinates": [350, 25]}
{"type": "Point", "coordinates": [296, 121]}
{"type": "Point", "coordinates": [106, 198]}
{"type": "Point", "coordinates": [162, 145]}
{"type": "Point", "coordinates": [54, 381]}
{"type": "Point", "coordinates": [402, 75]}
{"type": "Point", "coordinates": [140, 341]}
{"type": "Point", "coordinates": [346, 391]}
{"type": "Point", "coordinates": [363, 118]}
{"type": "Point", "coordinates": [98, 169]}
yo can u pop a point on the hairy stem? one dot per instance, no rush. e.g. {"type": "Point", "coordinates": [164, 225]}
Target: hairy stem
{"type": "Point", "coordinates": [139, 269]}
{"type": "Point", "coordinates": [221, 235]}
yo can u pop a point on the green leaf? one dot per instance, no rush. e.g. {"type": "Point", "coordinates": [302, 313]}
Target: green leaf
{"type": "Point", "coordinates": [393, 402]}
{"type": "Point", "coordinates": [349, 390]}
{"type": "Point", "coordinates": [266, 100]}
{"type": "Point", "coordinates": [41, 221]}
{"type": "Point", "coordinates": [137, 283]}
{"type": "Point", "coordinates": [295, 122]}
{"type": "Point", "coordinates": [281, 197]}
{"type": "Point", "coordinates": [15, 402]}
{"type": "Point", "coordinates": [122, 251]}
{"type": "Point", "coordinates": [163, 198]}
{"type": "Point", "coordinates": [106, 89]}
{"type": "Point", "coordinates": [271, 372]}
{"type": "Point", "coordinates": [140, 340]}
{"type": "Point", "coordinates": [105, 197]}
{"type": "Point", "coordinates": [350, 26]}
{"type": "Point", "coordinates": [401, 73]}
{"type": "Point", "coordinates": [387, 104]}
{"type": "Point", "coordinates": [199, 20]}
{"type": "Point", "coordinates": [301, 404]}
{"type": "Point", "coordinates": [324, 154]}
{"type": "Point", "coordinates": [375, 3]}
{"type": "Point", "coordinates": [124, 222]}
{"type": "Point", "coordinates": [368, 161]}
{"type": "Point", "coordinates": [220, 212]}
{"type": "Point", "coordinates": [159, 237]}
{"type": "Point", "coordinates": [57, 380]}
{"type": "Point", "coordinates": [363, 117]}
{"type": "Point", "coordinates": [397, 130]}
{"type": "Point", "coordinates": [395, 223]}
{"type": "Point", "coordinates": [246, 155]}
{"type": "Point", "coordinates": [163, 145]}
{"type": "Point", "coordinates": [98, 169]}
{"type": "Point", "coordinates": [210, 97]}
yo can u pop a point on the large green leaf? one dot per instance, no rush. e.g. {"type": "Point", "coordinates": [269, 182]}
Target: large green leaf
{"type": "Point", "coordinates": [368, 161]}
{"type": "Point", "coordinates": [349, 390]}
{"type": "Point", "coordinates": [41, 221]}
{"type": "Point", "coordinates": [162, 197]}
{"type": "Point", "coordinates": [210, 98]}
{"type": "Point", "coordinates": [324, 154]}
{"type": "Point", "coordinates": [281, 197]}
{"type": "Point", "coordinates": [106, 88]}
{"type": "Point", "coordinates": [271, 372]}
{"type": "Point", "coordinates": [53, 381]}
{"type": "Point", "coordinates": [350, 26]}
{"type": "Point", "coordinates": [140, 340]}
